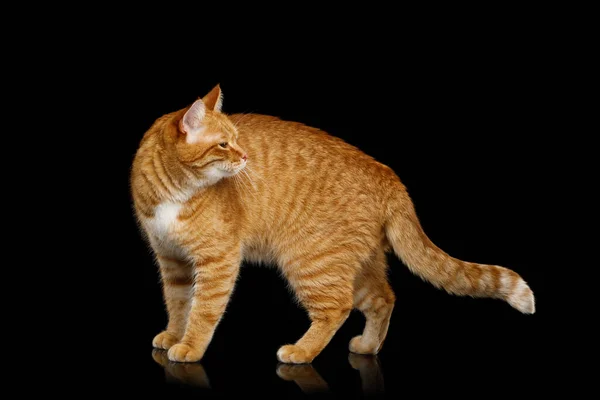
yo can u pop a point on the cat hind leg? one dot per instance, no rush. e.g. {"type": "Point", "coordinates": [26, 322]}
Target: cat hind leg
{"type": "Point", "coordinates": [374, 297]}
{"type": "Point", "coordinates": [325, 290]}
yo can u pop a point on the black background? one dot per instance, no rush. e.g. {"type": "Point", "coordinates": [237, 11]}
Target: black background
{"type": "Point", "coordinates": [460, 113]}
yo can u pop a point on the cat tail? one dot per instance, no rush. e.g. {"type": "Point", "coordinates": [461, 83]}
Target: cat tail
{"type": "Point", "coordinates": [426, 260]}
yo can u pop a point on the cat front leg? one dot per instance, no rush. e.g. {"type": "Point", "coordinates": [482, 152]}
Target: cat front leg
{"type": "Point", "coordinates": [177, 282]}
{"type": "Point", "coordinates": [215, 277]}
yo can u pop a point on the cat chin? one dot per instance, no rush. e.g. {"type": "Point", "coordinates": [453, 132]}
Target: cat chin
{"type": "Point", "coordinates": [216, 174]}
{"type": "Point", "coordinates": [234, 171]}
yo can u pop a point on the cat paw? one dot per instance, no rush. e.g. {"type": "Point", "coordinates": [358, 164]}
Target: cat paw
{"type": "Point", "coordinates": [359, 346]}
{"type": "Point", "coordinates": [182, 352]}
{"type": "Point", "coordinates": [164, 340]}
{"type": "Point", "coordinates": [293, 354]}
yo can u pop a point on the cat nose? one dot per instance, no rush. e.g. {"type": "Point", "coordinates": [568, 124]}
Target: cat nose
{"type": "Point", "coordinates": [245, 157]}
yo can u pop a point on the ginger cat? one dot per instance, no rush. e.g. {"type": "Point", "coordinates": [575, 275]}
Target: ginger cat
{"type": "Point", "coordinates": [211, 190]}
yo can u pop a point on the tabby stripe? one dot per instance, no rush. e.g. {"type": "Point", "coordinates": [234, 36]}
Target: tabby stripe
{"type": "Point", "coordinates": [194, 215]}
{"type": "Point", "coordinates": [198, 244]}
{"type": "Point", "coordinates": [296, 208]}
{"type": "Point", "coordinates": [485, 284]}
{"type": "Point", "coordinates": [178, 280]}
{"type": "Point", "coordinates": [326, 279]}
{"type": "Point", "coordinates": [167, 259]}
{"type": "Point", "coordinates": [202, 156]}
{"type": "Point", "coordinates": [157, 172]}
{"type": "Point", "coordinates": [151, 185]}
{"type": "Point", "coordinates": [302, 198]}
{"type": "Point", "coordinates": [228, 266]}
{"type": "Point", "coordinates": [223, 274]}
{"type": "Point", "coordinates": [321, 303]}
{"type": "Point", "coordinates": [475, 274]}
{"type": "Point", "coordinates": [454, 268]}
{"type": "Point", "coordinates": [211, 307]}
{"type": "Point", "coordinates": [177, 292]}
{"type": "Point", "coordinates": [331, 289]}
{"type": "Point", "coordinates": [444, 270]}
{"type": "Point", "coordinates": [211, 260]}
{"type": "Point", "coordinates": [220, 272]}
{"type": "Point", "coordinates": [515, 280]}
{"type": "Point", "coordinates": [308, 273]}
{"type": "Point", "coordinates": [164, 172]}
{"type": "Point", "coordinates": [329, 257]}
{"type": "Point", "coordinates": [175, 183]}
{"type": "Point", "coordinates": [175, 270]}
{"type": "Point", "coordinates": [324, 293]}
{"type": "Point", "coordinates": [211, 318]}
{"type": "Point", "coordinates": [212, 296]}
{"type": "Point", "coordinates": [193, 244]}
{"type": "Point", "coordinates": [495, 278]}
{"type": "Point", "coordinates": [157, 181]}
{"type": "Point", "coordinates": [211, 285]}
{"type": "Point", "coordinates": [144, 209]}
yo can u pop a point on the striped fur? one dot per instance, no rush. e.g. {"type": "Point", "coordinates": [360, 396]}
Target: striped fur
{"type": "Point", "coordinates": [211, 190]}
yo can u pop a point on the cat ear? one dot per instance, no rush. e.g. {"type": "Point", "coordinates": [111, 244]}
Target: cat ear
{"type": "Point", "coordinates": [191, 123]}
{"type": "Point", "coordinates": [214, 99]}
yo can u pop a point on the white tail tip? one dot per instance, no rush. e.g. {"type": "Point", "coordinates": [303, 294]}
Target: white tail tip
{"type": "Point", "coordinates": [522, 298]}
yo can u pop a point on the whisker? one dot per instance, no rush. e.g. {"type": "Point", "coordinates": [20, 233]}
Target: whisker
{"type": "Point", "coordinates": [243, 186]}
{"type": "Point", "coordinates": [254, 189]}
{"type": "Point", "coordinates": [253, 173]}
{"type": "Point", "coordinates": [240, 186]}
{"type": "Point", "coordinates": [249, 178]}
{"type": "Point", "coordinates": [245, 178]}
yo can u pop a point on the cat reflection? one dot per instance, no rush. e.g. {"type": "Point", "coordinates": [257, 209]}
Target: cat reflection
{"type": "Point", "coordinates": [309, 380]}
{"type": "Point", "coordinates": [192, 374]}
{"type": "Point", "coordinates": [304, 375]}
{"type": "Point", "coordinates": [371, 377]}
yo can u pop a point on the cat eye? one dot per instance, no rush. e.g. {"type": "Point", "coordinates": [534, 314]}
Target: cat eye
{"type": "Point", "coordinates": [223, 145]}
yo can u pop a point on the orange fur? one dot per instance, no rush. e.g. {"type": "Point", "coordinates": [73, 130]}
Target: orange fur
{"type": "Point", "coordinates": [319, 208]}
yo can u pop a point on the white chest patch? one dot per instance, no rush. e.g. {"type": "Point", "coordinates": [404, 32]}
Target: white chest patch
{"type": "Point", "coordinates": [165, 219]}
{"type": "Point", "coordinates": [161, 230]}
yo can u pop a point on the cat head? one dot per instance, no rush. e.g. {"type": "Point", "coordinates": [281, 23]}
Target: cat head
{"type": "Point", "coordinates": [205, 140]}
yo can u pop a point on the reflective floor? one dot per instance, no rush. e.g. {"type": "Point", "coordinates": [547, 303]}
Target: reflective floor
{"type": "Point", "coordinates": [437, 345]}
{"type": "Point", "coordinates": [476, 358]}
{"type": "Point", "coordinates": [446, 352]}
{"type": "Point", "coordinates": [306, 377]}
